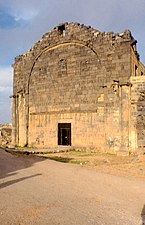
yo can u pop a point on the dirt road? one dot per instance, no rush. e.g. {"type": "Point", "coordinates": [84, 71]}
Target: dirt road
{"type": "Point", "coordinates": [41, 191]}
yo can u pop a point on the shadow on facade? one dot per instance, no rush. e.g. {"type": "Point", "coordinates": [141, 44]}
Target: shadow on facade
{"type": "Point", "coordinates": [11, 164]}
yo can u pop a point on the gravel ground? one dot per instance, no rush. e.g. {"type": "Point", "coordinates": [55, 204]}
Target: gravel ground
{"type": "Point", "coordinates": [40, 191]}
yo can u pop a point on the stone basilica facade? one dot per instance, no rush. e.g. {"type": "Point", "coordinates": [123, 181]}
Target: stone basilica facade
{"type": "Point", "coordinates": [80, 88]}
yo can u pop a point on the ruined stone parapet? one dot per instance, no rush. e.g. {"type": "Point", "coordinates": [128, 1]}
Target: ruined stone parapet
{"type": "Point", "coordinates": [74, 32]}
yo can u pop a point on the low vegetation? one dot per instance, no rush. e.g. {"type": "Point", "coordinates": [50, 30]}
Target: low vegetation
{"type": "Point", "coordinates": [131, 165]}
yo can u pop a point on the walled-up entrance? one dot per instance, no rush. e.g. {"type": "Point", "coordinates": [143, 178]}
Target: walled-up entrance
{"type": "Point", "coordinates": [64, 134]}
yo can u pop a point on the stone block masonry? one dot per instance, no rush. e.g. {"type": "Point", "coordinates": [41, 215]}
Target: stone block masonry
{"type": "Point", "coordinates": [75, 87]}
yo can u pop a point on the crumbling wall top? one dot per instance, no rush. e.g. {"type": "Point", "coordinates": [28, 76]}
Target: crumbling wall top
{"type": "Point", "coordinates": [66, 32]}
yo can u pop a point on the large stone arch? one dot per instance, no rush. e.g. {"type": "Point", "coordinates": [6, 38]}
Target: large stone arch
{"type": "Point", "coordinates": [47, 50]}
{"type": "Point", "coordinates": [50, 48]}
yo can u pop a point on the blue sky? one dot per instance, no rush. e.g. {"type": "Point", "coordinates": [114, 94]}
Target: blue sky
{"type": "Point", "coordinates": [23, 22]}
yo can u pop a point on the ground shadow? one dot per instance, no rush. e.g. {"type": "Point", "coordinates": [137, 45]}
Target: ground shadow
{"type": "Point", "coordinates": [143, 215]}
{"type": "Point", "coordinates": [12, 163]}
{"type": "Point", "coordinates": [5, 184]}
{"type": "Point", "coordinates": [59, 159]}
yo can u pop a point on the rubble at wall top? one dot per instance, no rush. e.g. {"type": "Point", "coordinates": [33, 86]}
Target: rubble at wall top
{"type": "Point", "coordinates": [91, 33]}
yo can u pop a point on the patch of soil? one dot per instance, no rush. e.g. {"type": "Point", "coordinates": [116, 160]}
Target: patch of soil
{"type": "Point", "coordinates": [128, 166]}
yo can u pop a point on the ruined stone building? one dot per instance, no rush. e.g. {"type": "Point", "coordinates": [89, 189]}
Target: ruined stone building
{"type": "Point", "coordinates": [82, 88]}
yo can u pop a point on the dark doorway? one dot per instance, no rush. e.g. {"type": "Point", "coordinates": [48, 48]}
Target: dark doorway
{"type": "Point", "coordinates": [64, 134]}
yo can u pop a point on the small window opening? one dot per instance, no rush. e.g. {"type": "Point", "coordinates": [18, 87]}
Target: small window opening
{"type": "Point", "coordinates": [61, 30]}
{"type": "Point", "coordinates": [136, 70]}
{"type": "Point", "coordinates": [141, 73]}
{"type": "Point", "coordinates": [62, 67]}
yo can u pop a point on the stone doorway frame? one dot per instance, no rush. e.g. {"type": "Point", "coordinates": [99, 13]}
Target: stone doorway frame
{"type": "Point", "coordinates": [64, 134]}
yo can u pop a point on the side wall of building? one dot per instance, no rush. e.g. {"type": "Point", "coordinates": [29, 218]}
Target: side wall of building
{"type": "Point", "coordinates": [137, 100]}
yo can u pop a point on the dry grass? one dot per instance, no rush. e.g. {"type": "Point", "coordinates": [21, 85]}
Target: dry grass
{"type": "Point", "coordinates": [129, 166]}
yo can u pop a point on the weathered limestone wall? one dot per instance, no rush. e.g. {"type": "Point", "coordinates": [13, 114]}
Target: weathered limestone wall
{"type": "Point", "coordinates": [138, 111]}
{"type": "Point", "coordinates": [78, 75]}
{"type": "Point", "coordinates": [44, 130]}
